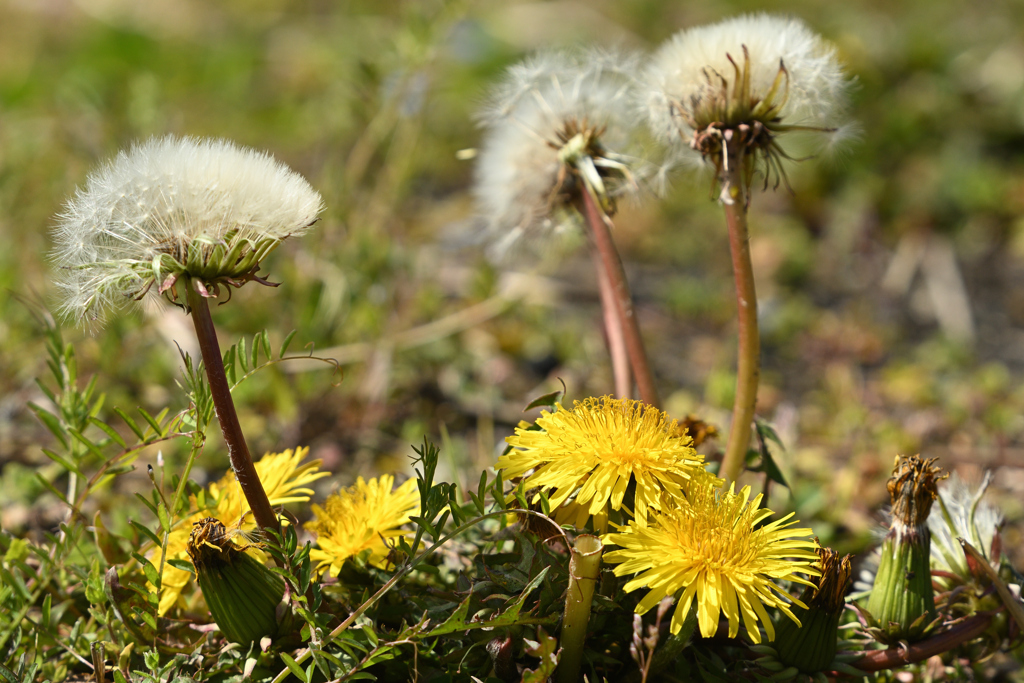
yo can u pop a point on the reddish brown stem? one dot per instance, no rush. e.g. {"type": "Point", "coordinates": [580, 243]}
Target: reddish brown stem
{"type": "Point", "coordinates": [966, 630]}
{"type": "Point", "coordinates": [238, 451]}
{"type": "Point", "coordinates": [613, 331]}
{"type": "Point", "coordinates": [612, 265]}
{"type": "Point", "coordinates": [748, 366]}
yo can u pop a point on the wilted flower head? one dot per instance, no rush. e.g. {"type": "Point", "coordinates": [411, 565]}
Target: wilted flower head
{"type": "Point", "coordinates": [588, 457]}
{"type": "Point", "coordinates": [715, 549]}
{"type": "Point", "coordinates": [552, 129]}
{"type": "Point", "coordinates": [756, 75]}
{"type": "Point", "coordinates": [285, 478]}
{"type": "Point", "coordinates": [171, 208]}
{"type": "Point", "coordinates": [362, 517]}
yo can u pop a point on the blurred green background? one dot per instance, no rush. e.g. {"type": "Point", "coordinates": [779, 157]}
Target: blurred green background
{"type": "Point", "coordinates": [891, 280]}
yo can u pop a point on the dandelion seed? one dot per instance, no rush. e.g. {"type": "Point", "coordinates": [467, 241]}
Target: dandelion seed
{"type": "Point", "coordinates": [753, 77]}
{"type": "Point", "coordinates": [173, 207]}
{"type": "Point", "coordinates": [962, 513]}
{"type": "Point", "coordinates": [712, 549]}
{"type": "Point", "coordinates": [587, 458]}
{"type": "Point", "coordinates": [362, 517]}
{"type": "Point", "coordinates": [552, 128]}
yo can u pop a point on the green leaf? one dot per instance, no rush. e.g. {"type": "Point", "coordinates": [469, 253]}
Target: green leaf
{"type": "Point", "coordinates": [287, 341]}
{"type": "Point", "coordinates": [131, 424]}
{"type": "Point", "coordinates": [457, 621]}
{"type": "Point", "coordinates": [243, 357]}
{"type": "Point", "coordinates": [293, 667]}
{"type": "Point", "coordinates": [148, 569]}
{"type": "Point", "coordinates": [67, 465]}
{"type": "Point", "coordinates": [51, 421]}
{"type": "Point", "coordinates": [45, 617]}
{"type": "Point", "coordinates": [547, 400]}
{"type": "Point", "coordinates": [153, 422]}
{"type": "Point", "coordinates": [545, 648]}
{"type": "Point", "coordinates": [50, 487]}
{"type": "Point", "coordinates": [183, 565]}
{"type": "Point", "coordinates": [144, 530]}
{"type": "Point", "coordinates": [110, 431]}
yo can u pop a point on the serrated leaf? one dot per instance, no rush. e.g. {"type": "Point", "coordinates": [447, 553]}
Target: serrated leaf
{"type": "Point", "coordinates": [457, 621]}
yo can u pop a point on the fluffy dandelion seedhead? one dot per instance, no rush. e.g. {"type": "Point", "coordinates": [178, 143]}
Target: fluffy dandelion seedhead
{"type": "Point", "coordinates": [588, 456]}
{"type": "Point", "coordinates": [362, 517]}
{"type": "Point", "coordinates": [714, 549]}
{"type": "Point", "coordinates": [747, 79]}
{"type": "Point", "coordinates": [286, 480]}
{"type": "Point", "coordinates": [961, 513]}
{"type": "Point", "coordinates": [551, 129]}
{"type": "Point", "coordinates": [170, 208]}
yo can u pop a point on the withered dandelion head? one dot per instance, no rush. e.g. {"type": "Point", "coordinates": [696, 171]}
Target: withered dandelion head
{"type": "Point", "coordinates": [711, 549]}
{"type": "Point", "coordinates": [554, 126]}
{"type": "Point", "coordinates": [285, 478]}
{"type": "Point", "coordinates": [750, 78]}
{"type": "Point", "coordinates": [170, 208]}
{"type": "Point", "coordinates": [362, 517]}
{"type": "Point", "coordinates": [587, 457]}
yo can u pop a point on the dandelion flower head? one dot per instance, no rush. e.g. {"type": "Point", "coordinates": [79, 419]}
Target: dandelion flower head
{"type": "Point", "coordinates": [552, 128]}
{"type": "Point", "coordinates": [172, 207]}
{"type": "Point", "coordinates": [711, 549]}
{"type": "Point", "coordinates": [587, 457]}
{"type": "Point", "coordinates": [286, 480]}
{"type": "Point", "coordinates": [759, 75]}
{"type": "Point", "coordinates": [362, 517]}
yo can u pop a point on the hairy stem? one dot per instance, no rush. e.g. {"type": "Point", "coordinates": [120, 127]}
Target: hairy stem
{"type": "Point", "coordinates": [612, 265]}
{"type": "Point", "coordinates": [897, 657]}
{"type": "Point", "coordinates": [613, 331]}
{"type": "Point", "coordinates": [748, 366]}
{"type": "Point", "coordinates": [238, 451]}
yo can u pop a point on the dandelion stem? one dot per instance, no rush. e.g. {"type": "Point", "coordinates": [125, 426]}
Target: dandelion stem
{"type": "Point", "coordinates": [748, 367]}
{"type": "Point", "coordinates": [613, 331]}
{"type": "Point", "coordinates": [612, 266]}
{"type": "Point", "coordinates": [238, 451]}
{"type": "Point", "coordinates": [584, 571]}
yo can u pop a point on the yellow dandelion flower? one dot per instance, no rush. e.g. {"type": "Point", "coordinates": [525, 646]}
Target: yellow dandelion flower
{"type": "Point", "coordinates": [595, 450]}
{"type": "Point", "coordinates": [711, 549]}
{"type": "Point", "coordinates": [363, 516]}
{"type": "Point", "coordinates": [285, 481]}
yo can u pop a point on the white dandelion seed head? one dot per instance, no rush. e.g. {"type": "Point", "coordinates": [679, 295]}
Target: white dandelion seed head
{"type": "Point", "coordinates": [973, 519]}
{"type": "Point", "coordinates": [522, 179]}
{"type": "Point", "coordinates": [689, 70]}
{"type": "Point", "coordinates": [169, 207]}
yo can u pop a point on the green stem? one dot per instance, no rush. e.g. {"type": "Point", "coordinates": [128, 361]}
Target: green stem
{"type": "Point", "coordinates": [748, 366]}
{"type": "Point", "coordinates": [584, 571]}
{"type": "Point", "coordinates": [220, 390]}
{"type": "Point", "coordinates": [612, 265]}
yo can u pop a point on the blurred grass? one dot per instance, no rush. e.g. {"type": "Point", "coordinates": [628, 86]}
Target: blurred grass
{"type": "Point", "coordinates": [371, 101]}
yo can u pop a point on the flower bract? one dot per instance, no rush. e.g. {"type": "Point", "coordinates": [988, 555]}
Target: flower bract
{"type": "Point", "coordinates": [362, 517]}
{"type": "Point", "coordinates": [170, 208]}
{"type": "Point", "coordinates": [713, 549]}
{"type": "Point", "coordinates": [286, 480]}
{"type": "Point", "coordinates": [588, 456]}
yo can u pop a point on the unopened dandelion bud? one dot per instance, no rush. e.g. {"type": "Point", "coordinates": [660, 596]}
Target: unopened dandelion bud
{"type": "Point", "coordinates": [902, 601]}
{"type": "Point", "coordinates": [242, 594]}
{"type": "Point", "coordinates": [811, 645]}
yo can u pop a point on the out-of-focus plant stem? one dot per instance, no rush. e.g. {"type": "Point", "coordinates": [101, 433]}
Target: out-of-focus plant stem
{"type": "Point", "coordinates": [238, 451]}
{"type": "Point", "coordinates": [613, 331]}
{"type": "Point", "coordinates": [612, 266]}
{"type": "Point", "coordinates": [748, 367]}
